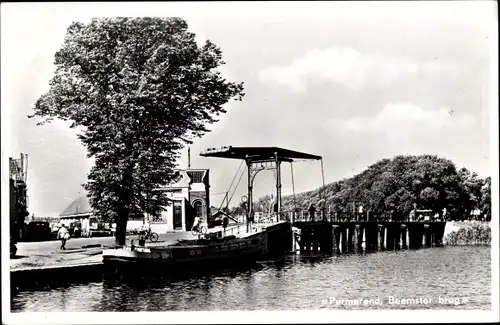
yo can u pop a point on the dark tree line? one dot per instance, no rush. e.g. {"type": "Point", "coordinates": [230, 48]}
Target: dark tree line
{"type": "Point", "coordinates": [392, 188]}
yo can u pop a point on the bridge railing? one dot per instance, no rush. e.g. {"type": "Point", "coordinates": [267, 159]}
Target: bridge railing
{"type": "Point", "coordinates": [304, 216]}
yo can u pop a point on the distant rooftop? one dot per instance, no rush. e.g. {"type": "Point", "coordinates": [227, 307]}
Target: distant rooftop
{"type": "Point", "coordinates": [257, 153]}
{"type": "Point", "coordinates": [80, 205]}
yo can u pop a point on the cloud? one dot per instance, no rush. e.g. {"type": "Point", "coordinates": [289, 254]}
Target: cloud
{"type": "Point", "coordinates": [347, 66]}
{"type": "Point", "coordinates": [401, 120]}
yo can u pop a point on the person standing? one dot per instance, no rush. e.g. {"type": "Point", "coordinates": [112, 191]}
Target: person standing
{"type": "Point", "coordinates": [63, 234]}
{"type": "Point", "coordinates": [311, 210]}
{"type": "Point", "coordinates": [196, 223]}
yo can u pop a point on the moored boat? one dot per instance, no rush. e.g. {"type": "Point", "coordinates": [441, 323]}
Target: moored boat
{"type": "Point", "coordinates": [246, 248]}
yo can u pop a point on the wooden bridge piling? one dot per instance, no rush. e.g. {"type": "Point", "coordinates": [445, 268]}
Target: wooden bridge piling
{"type": "Point", "coordinates": [363, 238]}
{"type": "Point", "coordinates": [390, 239]}
{"type": "Point", "coordinates": [397, 237]}
{"type": "Point", "coordinates": [335, 238]}
{"type": "Point", "coordinates": [343, 237]}
{"type": "Point", "coordinates": [358, 238]}
{"type": "Point", "coordinates": [351, 238]}
{"type": "Point", "coordinates": [404, 235]}
{"type": "Point", "coordinates": [381, 237]}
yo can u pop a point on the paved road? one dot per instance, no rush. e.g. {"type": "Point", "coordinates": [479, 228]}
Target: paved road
{"type": "Point", "coordinates": [48, 253]}
{"type": "Point", "coordinates": [29, 248]}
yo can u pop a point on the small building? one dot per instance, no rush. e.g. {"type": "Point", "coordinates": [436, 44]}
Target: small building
{"type": "Point", "coordinates": [78, 211]}
{"type": "Point", "coordinates": [189, 196]}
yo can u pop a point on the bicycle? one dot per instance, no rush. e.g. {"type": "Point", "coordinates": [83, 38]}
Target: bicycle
{"type": "Point", "coordinates": [201, 229]}
{"type": "Point", "coordinates": [148, 234]}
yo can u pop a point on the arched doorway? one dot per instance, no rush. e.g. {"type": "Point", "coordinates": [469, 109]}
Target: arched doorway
{"type": "Point", "coordinates": [198, 208]}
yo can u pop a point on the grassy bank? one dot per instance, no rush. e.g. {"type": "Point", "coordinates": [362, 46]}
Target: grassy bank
{"type": "Point", "coordinates": [475, 233]}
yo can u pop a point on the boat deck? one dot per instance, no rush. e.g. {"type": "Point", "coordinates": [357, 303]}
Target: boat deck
{"type": "Point", "coordinates": [237, 230]}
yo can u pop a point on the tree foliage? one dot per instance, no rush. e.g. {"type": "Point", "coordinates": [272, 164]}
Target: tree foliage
{"type": "Point", "coordinates": [391, 188]}
{"type": "Point", "coordinates": [485, 200]}
{"type": "Point", "coordinates": [139, 89]}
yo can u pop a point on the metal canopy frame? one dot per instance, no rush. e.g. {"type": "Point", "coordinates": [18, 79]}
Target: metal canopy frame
{"type": "Point", "coordinates": [258, 159]}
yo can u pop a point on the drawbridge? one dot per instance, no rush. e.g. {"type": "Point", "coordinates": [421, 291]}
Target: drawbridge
{"type": "Point", "coordinates": [258, 159]}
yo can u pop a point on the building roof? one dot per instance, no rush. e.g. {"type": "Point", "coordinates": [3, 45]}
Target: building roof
{"type": "Point", "coordinates": [257, 153]}
{"type": "Point", "coordinates": [80, 205]}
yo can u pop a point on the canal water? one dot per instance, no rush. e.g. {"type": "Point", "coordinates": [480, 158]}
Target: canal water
{"type": "Point", "coordinates": [433, 278]}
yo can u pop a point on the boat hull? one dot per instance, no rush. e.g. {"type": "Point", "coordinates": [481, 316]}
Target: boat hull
{"type": "Point", "coordinates": [174, 258]}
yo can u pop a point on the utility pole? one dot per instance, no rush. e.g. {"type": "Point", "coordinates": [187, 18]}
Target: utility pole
{"type": "Point", "coordinates": [189, 157]}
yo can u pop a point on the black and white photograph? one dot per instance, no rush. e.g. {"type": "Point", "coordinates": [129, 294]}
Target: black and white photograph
{"type": "Point", "coordinates": [249, 162]}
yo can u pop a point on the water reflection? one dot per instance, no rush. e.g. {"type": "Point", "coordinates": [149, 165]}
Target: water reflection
{"type": "Point", "coordinates": [290, 282]}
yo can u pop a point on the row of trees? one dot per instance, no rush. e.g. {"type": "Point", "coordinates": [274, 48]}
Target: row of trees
{"type": "Point", "coordinates": [391, 188]}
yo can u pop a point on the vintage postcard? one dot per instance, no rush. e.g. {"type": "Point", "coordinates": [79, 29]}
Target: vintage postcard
{"type": "Point", "coordinates": [249, 162]}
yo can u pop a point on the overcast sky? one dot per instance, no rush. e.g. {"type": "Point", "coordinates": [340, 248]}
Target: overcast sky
{"type": "Point", "coordinates": [352, 82]}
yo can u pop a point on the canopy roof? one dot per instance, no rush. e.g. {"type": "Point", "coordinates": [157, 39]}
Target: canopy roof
{"type": "Point", "coordinates": [257, 153]}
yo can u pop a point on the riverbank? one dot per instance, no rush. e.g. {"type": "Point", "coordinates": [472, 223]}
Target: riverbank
{"type": "Point", "coordinates": [39, 263]}
{"type": "Point", "coordinates": [476, 233]}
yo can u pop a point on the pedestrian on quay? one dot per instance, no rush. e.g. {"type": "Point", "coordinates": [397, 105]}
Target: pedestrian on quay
{"type": "Point", "coordinates": [63, 234]}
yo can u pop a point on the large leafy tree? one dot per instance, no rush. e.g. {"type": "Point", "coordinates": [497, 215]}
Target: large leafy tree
{"type": "Point", "coordinates": [138, 89]}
